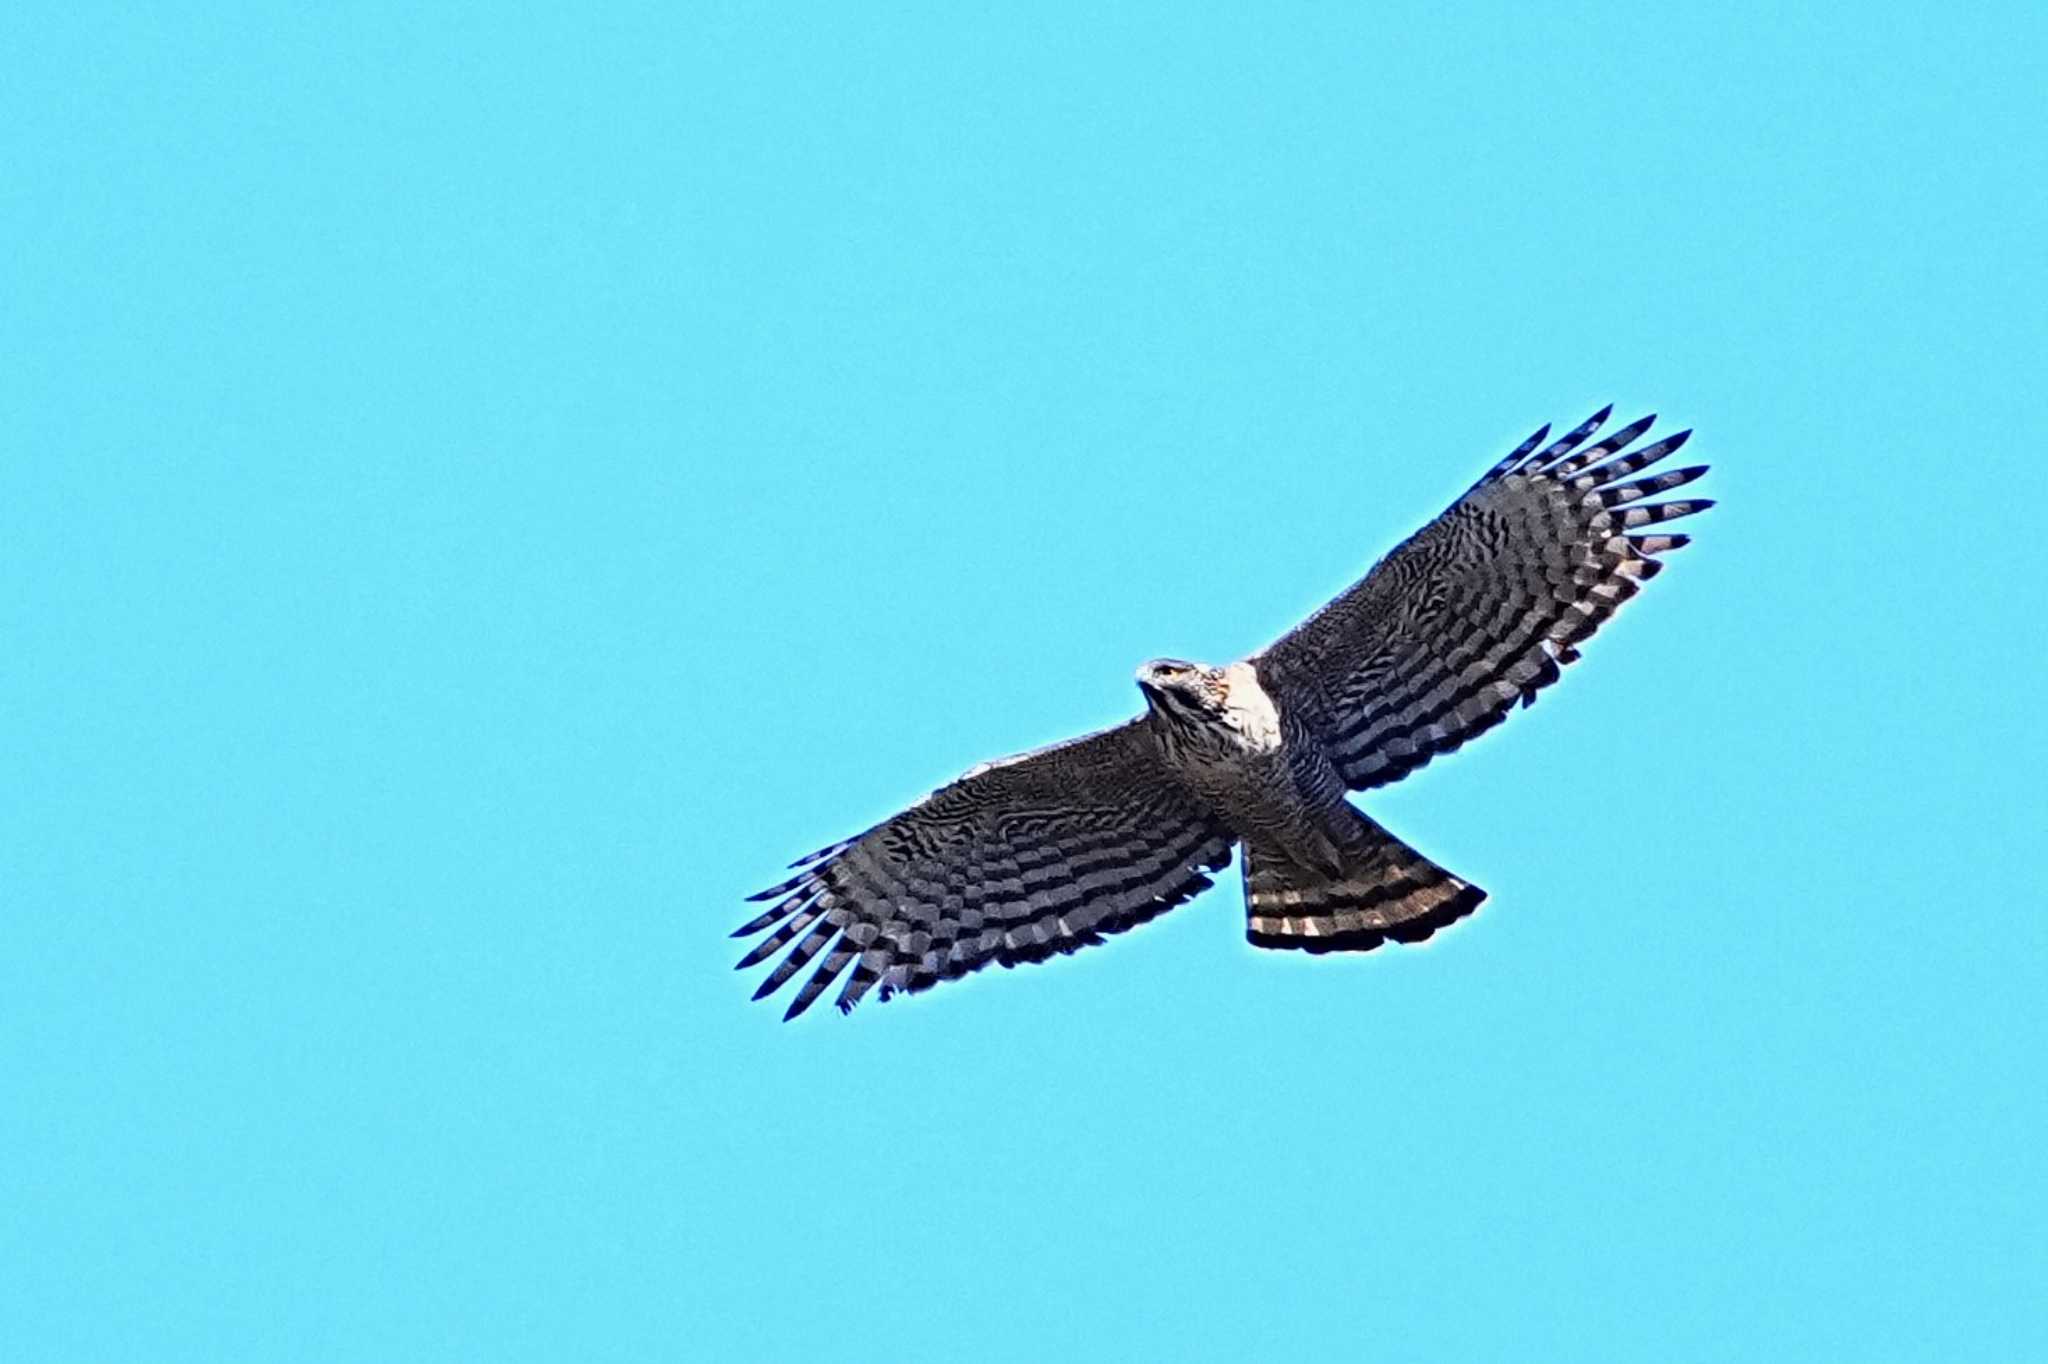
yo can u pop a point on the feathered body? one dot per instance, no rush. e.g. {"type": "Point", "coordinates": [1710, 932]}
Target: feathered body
{"type": "Point", "coordinates": [1263, 776]}
{"type": "Point", "coordinates": [1050, 850]}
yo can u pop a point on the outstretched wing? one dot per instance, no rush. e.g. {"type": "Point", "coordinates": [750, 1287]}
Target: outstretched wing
{"type": "Point", "coordinates": [1021, 858]}
{"type": "Point", "coordinates": [1476, 610]}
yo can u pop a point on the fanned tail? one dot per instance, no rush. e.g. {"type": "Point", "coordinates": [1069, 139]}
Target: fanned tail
{"type": "Point", "coordinates": [1386, 890]}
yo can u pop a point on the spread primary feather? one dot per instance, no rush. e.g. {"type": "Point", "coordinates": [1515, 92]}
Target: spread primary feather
{"type": "Point", "coordinates": [1048, 851]}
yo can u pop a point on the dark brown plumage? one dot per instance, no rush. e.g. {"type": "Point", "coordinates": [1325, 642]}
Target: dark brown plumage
{"type": "Point", "coordinates": [1051, 850]}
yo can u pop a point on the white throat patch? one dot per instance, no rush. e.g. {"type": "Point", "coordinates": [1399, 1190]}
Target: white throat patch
{"type": "Point", "coordinates": [1249, 710]}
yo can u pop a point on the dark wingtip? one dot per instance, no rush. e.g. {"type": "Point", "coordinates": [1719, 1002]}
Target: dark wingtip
{"type": "Point", "coordinates": [1522, 454]}
{"type": "Point", "coordinates": [767, 920]}
{"type": "Point", "coordinates": [1534, 442]}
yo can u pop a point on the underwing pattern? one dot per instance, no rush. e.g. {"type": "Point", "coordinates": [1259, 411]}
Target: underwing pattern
{"type": "Point", "coordinates": [1053, 850]}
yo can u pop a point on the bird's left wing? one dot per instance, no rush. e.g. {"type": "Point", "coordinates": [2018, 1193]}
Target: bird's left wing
{"type": "Point", "coordinates": [1017, 860]}
{"type": "Point", "coordinates": [1477, 610]}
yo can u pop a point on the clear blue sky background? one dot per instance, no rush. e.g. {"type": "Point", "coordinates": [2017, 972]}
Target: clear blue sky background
{"type": "Point", "coordinates": [479, 491]}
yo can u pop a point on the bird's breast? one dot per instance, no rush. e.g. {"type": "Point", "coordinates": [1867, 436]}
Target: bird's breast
{"type": "Point", "coordinates": [1249, 711]}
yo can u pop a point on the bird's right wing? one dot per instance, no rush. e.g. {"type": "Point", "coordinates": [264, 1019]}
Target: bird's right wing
{"type": "Point", "coordinates": [1477, 610]}
{"type": "Point", "coordinates": [1019, 859]}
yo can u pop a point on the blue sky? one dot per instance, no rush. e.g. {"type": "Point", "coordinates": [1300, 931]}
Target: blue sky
{"type": "Point", "coordinates": [481, 489]}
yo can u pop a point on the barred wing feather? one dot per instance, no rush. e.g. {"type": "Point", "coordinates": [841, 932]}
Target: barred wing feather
{"type": "Point", "coordinates": [1018, 860]}
{"type": "Point", "coordinates": [1478, 610]}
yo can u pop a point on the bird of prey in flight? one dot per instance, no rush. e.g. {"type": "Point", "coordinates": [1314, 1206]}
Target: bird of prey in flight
{"type": "Point", "coordinates": [1050, 850]}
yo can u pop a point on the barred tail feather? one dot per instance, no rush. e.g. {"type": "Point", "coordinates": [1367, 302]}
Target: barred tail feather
{"type": "Point", "coordinates": [1386, 890]}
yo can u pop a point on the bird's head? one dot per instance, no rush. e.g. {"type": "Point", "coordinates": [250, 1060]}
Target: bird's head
{"type": "Point", "coordinates": [1188, 692]}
